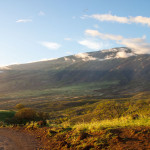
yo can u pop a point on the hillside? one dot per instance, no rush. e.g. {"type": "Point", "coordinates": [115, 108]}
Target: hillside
{"type": "Point", "coordinates": [113, 73]}
{"type": "Point", "coordinates": [96, 100]}
{"type": "Point", "coordinates": [118, 64]}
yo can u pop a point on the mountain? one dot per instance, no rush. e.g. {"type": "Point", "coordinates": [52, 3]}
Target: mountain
{"type": "Point", "coordinates": [88, 97]}
{"type": "Point", "coordinates": [119, 65]}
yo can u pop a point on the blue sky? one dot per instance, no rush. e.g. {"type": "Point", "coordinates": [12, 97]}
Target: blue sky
{"type": "Point", "coordinates": [33, 30]}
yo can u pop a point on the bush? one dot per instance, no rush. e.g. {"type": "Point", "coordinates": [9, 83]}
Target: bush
{"type": "Point", "coordinates": [109, 110]}
{"type": "Point", "coordinates": [42, 116]}
{"type": "Point", "coordinates": [19, 106]}
{"type": "Point", "coordinates": [26, 114]}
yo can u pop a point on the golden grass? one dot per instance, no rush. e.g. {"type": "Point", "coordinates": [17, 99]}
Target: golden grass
{"type": "Point", "coordinates": [114, 123]}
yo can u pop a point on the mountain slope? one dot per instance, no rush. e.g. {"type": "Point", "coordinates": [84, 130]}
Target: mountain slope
{"type": "Point", "coordinates": [118, 64]}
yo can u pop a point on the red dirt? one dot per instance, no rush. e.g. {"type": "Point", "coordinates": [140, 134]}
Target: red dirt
{"type": "Point", "coordinates": [120, 139]}
{"type": "Point", "coordinates": [135, 138]}
{"type": "Point", "coordinates": [131, 139]}
{"type": "Point", "coordinates": [15, 140]}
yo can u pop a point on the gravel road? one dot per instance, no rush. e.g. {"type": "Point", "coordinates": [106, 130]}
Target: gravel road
{"type": "Point", "coordinates": [16, 140]}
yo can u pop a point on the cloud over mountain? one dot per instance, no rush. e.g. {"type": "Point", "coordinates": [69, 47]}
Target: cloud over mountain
{"type": "Point", "coordinates": [139, 45]}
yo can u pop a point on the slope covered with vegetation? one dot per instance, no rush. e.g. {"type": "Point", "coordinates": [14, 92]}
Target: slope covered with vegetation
{"type": "Point", "coordinates": [88, 101]}
{"type": "Point", "coordinates": [86, 68]}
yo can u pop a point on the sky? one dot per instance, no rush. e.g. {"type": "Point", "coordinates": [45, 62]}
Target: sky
{"type": "Point", "coordinates": [39, 30]}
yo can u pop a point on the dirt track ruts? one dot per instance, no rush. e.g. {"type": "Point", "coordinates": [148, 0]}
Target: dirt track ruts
{"type": "Point", "coordinates": [15, 140]}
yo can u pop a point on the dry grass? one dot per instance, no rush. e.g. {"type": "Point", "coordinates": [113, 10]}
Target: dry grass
{"type": "Point", "coordinates": [114, 123]}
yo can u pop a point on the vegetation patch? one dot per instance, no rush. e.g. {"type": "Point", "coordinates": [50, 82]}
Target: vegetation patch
{"type": "Point", "coordinates": [87, 122]}
{"type": "Point", "coordinates": [4, 115]}
{"type": "Point", "coordinates": [101, 135]}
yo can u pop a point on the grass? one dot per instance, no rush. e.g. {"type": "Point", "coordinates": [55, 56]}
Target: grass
{"type": "Point", "coordinates": [4, 114]}
{"type": "Point", "coordinates": [45, 97]}
{"type": "Point", "coordinates": [93, 135]}
{"type": "Point", "coordinates": [114, 123]}
{"type": "Point", "coordinates": [99, 134]}
{"type": "Point", "coordinates": [72, 90]}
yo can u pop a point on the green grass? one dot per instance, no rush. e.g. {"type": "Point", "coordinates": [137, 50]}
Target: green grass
{"type": "Point", "coordinates": [114, 123]}
{"type": "Point", "coordinates": [44, 98]}
{"type": "Point", "coordinates": [6, 114]}
{"type": "Point", "coordinates": [72, 90]}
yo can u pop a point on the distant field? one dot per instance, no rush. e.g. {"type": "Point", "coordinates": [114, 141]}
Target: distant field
{"type": "Point", "coordinates": [73, 90]}
{"type": "Point", "coordinates": [44, 98]}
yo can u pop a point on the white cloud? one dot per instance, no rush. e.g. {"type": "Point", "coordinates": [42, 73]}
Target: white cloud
{"type": "Point", "coordinates": [50, 45]}
{"type": "Point", "coordinates": [91, 44]}
{"type": "Point", "coordinates": [41, 13]}
{"type": "Point", "coordinates": [24, 20]}
{"type": "Point", "coordinates": [109, 17]}
{"type": "Point", "coordinates": [140, 19]}
{"type": "Point", "coordinates": [92, 33]}
{"type": "Point", "coordinates": [114, 18]}
{"type": "Point", "coordinates": [139, 45]}
{"type": "Point", "coordinates": [66, 59]}
{"type": "Point", "coordinates": [95, 33]}
{"type": "Point", "coordinates": [119, 54]}
{"type": "Point", "coordinates": [44, 59]}
{"type": "Point", "coordinates": [47, 59]}
{"type": "Point", "coordinates": [123, 54]}
{"type": "Point", "coordinates": [67, 39]}
{"type": "Point", "coordinates": [85, 56]}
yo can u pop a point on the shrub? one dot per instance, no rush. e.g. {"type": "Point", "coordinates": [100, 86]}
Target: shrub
{"type": "Point", "coordinates": [32, 125]}
{"type": "Point", "coordinates": [42, 116]}
{"type": "Point", "coordinates": [109, 110]}
{"type": "Point", "coordinates": [19, 106]}
{"type": "Point", "coordinates": [26, 114]}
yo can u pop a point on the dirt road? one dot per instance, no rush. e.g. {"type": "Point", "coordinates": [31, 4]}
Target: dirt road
{"type": "Point", "coordinates": [16, 140]}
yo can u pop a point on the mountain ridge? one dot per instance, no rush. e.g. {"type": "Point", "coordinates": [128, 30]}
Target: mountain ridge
{"type": "Point", "coordinates": [100, 66]}
{"type": "Point", "coordinates": [101, 55]}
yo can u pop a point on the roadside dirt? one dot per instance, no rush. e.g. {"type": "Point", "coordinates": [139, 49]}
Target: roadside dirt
{"type": "Point", "coordinates": [134, 138]}
{"type": "Point", "coordinates": [15, 140]}
{"type": "Point", "coordinates": [131, 138]}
